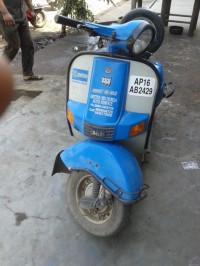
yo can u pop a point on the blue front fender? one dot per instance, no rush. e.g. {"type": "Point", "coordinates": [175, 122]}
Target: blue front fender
{"type": "Point", "coordinates": [114, 166]}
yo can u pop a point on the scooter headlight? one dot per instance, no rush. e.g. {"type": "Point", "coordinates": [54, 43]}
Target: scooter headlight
{"type": "Point", "coordinates": [143, 41]}
{"type": "Point", "coordinates": [140, 39]}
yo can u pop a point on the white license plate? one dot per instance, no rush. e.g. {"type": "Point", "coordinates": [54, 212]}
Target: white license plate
{"type": "Point", "coordinates": [141, 86]}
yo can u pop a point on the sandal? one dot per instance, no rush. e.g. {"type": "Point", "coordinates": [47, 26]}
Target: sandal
{"type": "Point", "coordinates": [32, 78]}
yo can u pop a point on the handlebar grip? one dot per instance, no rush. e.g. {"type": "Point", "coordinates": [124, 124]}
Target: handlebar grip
{"type": "Point", "coordinates": [67, 21]}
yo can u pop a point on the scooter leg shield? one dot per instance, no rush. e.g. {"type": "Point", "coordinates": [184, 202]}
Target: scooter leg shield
{"type": "Point", "coordinates": [113, 166]}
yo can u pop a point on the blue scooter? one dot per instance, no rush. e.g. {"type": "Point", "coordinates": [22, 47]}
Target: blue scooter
{"type": "Point", "coordinates": [112, 95]}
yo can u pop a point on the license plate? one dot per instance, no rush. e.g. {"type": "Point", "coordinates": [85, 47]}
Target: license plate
{"type": "Point", "coordinates": [141, 86]}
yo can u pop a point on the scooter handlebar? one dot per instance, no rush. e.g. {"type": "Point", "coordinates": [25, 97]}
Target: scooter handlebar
{"type": "Point", "coordinates": [67, 21]}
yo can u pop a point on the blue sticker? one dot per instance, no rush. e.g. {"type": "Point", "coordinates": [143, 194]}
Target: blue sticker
{"type": "Point", "coordinates": [107, 90]}
{"type": "Point", "coordinates": [80, 75]}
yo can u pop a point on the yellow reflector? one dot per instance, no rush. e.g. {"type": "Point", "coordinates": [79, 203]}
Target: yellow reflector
{"type": "Point", "coordinates": [137, 129]}
{"type": "Point", "coordinates": [70, 116]}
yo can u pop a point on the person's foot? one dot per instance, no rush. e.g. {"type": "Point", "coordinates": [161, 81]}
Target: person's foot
{"type": "Point", "coordinates": [33, 78]}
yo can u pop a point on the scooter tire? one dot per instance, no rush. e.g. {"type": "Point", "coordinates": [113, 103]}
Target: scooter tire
{"type": "Point", "coordinates": [154, 19]}
{"type": "Point", "coordinates": [40, 19]}
{"type": "Point", "coordinates": [112, 225]}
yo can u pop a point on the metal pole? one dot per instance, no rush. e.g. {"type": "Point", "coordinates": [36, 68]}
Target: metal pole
{"type": "Point", "coordinates": [165, 11]}
{"type": "Point", "coordinates": [133, 4]}
{"type": "Point", "coordinates": [139, 3]}
{"type": "Point", "coordinates": [194, 18]}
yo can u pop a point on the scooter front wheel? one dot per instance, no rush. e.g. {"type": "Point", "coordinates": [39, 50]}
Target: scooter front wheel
{"type": "Point", "coordinates": [103, 216]}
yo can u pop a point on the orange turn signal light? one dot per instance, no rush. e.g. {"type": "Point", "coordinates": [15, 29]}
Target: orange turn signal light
{"type": "Point", "coordinates": [137, 129]}
{"type": "Point", "coordinates": [70, 116]}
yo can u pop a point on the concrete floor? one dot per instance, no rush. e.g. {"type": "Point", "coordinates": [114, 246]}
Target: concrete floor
{"type": "Point", "coordinates": [36, 227]}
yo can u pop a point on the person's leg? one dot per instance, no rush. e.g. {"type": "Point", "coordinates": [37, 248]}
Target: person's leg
{"type": "Point", "coordinates": [27, 48]}
{"type": "Point", "coordinates": [10, 33]}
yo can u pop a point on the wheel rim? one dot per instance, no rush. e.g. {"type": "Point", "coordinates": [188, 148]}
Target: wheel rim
{"type": "Point", "coordinates": [39, 18]}
{"type": "Point", "coordinates": [98, 215]}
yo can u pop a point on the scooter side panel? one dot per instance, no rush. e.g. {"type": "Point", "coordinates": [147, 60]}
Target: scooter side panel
{"type": "Point", "coordinates": [79, 78]}
{"type": "Point", "coordinates": [115, 167]}
{"type": "Point", "coordinates": [149, 83]}
{"type": "Point", "coordinates": [142, 88]}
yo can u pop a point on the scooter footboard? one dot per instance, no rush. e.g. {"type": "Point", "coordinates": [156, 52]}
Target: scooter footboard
{"type": "Point", "coordinates": [113, 166]}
